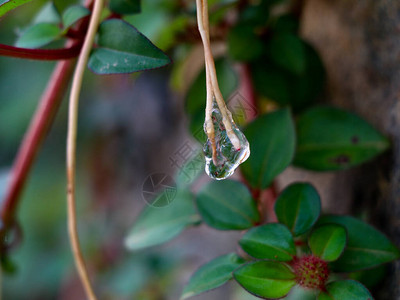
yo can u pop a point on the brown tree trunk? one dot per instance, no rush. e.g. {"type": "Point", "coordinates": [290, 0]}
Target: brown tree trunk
{"type": "Point", "coordinates": [359, 42]}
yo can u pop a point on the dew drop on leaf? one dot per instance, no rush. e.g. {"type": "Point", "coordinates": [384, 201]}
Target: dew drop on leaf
{"type": "Point", "coordinates": [228, 155]}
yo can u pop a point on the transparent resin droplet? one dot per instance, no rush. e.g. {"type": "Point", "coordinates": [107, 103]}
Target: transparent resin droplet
{"type": "Point", "coordinates": [228, 155]}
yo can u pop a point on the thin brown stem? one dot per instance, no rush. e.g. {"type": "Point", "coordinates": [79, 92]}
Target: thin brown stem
{"type": "Point", "coordinates": [212, 83]}
{"type": "Point", "coordinates": [71, 148]}
{"type": "Point", "coordinates": [41, 121]}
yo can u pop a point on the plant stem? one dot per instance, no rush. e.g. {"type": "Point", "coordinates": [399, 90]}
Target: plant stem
{"type": "Point", "coordinates": [43, 118]}
{"type": "Point", "coordinates": [41, 121]}
{"type": "Point", "coordinates": [41, 54]}
{"type": "Point", "coordinates": [212, 81]}
{"type": "Point", "coordinates": [71, 147]}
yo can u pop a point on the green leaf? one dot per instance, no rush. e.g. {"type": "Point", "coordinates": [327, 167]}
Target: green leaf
{"type": "Point", "coordinates": [239, 39]}
{"type": "Point", "coordinates": [298, 207]}
{"type": "Point", "coordinates": [287, 51]}
{"type": "Point", "coordinates": [47, 14]}
{"type": "Point", "coordinates": [191, 170]}
{"type": "Point", "coordinates": [212, 275]}
{"type": "Point", "coordinates": [366, 246]}
{"type": "Point", "coordinates": [196, 95]}
{"type": "Point", "coordinates": [370, 277]}
{"type": "Point", "coordinates": [271, 82]}
{"type": "Point", "coordinates": [255, 14]}
{"type": "Point", "coordinates": [272, 144]}
{"type": "Point", "coordinates": [333, 139]}
{"type": "Point", "coordinates": [74, 13]}
{"type": "Point", "coordinates": [345, 289]}
{"type": "Point", "coordinates": [299, 293]}
{"type": "Point", "coordinates": [169, 35]}
{"type": "Point", "coordinates": [266, 279]}
{"type": "Point", "coordinates": [125, 7]}
{"type": "Point", "coordinates": [8, 265]}
{"type": "Point", "coordinates": [123, 49]}
{"type": "Point", "coordinates": [277, 84]}
{"type": "Point", "coordinates": [271, 241]}
{"type": "Point", "coordinates": [287, 23]}
{"type": "Point", "coordinates": [328, 241]}
{"type": "Point", "coordinates": [305, 88]}
{"type": "Point", "coordinates": [227, 205]}
{"type": "Point", "coordinates": [38, 35]}
{"type": "Point", "coordinates": [7, 5]}
{"type": "Point", "coordinates": [62, 5]}
{"type": "Point", "coordinates": [155, 226]}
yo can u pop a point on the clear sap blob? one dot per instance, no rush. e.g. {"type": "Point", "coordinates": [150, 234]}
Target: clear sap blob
{"type": "Point", "coordinates": [228, 157]}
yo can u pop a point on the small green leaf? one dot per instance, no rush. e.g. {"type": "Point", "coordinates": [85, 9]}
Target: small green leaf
{"type": "Point", "coordinates": [265, 279]}
{"type": "Point", "coordinates": [74, 13]}
{"type": "Point", "coordinates": [8, 265]}
{"type": "Point", "coordinates": [299, 293]}
{"type": "Point", "coordinates": [345, 289]}
{"type": "Point", "coordinates": [7, 5]}
{"type": "Point", "coordinates": [191, 170]}
{"type": "Point", "coordinates": [212, 275]}
{"type": "Point", "coordinates": [62, 5]}
{"type": "Point", "coordinates": [239, 39]}
{"type": "Point", "coordinates": [271, 82]}
{"type": "Point", "coordinates": [370, 278]}
{"type": "Point", "coordinates": [287, 23]}
{"type": "Point", "coordinates": [169, 35]}
{"type": "Point", "coordinates": [255, 14]}
{"type": "Point", "coordinates": [333, 139]}
{"type": "Point", "coordinates": [38, 35]}
{"type": "Point", "coordinates": [227, 205]}
{"type": "Point", "coordinates": [125, 7]}
{"type": "Point", "coordinates": [287, 51]}
{"type": "Point", "coordinates": [47, 14]}
{"type": "Point", "coordinates": [271, 241]}
{"type": "Point", "coordinates": [272, 144]}
{"type": "Point", "coordinates": [158, 225]}
{"type": "Point", "coordinates": [277, 84]}
{"type": "Point", "coordinates": [366, 246]}
{"type": "Point", "coordinates": [305, 88]}
{"type": "Point", "coordinates": [123, 49]}
{"type": "Point", "coordinates": [328, 241]}
{"type": "Point", "coordinates": [298, 207]}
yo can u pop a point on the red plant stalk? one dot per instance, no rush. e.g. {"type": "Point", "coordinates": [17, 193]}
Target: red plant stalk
{"type": "Point", "coordinates": [42, 119]}
{"type": "Point", "coordinates": [265, 198]}
{"type": "Point", "coordinates": [41, 54]}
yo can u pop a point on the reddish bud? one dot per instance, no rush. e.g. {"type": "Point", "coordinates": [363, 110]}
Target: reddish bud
{"type": "Point", "coordinates": [311, 272]}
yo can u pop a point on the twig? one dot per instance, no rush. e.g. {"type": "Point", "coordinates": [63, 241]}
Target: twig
{"type": "Point", "coordinates": [212, 81]}
{"type": "Point", "coordinates": [71, 146]}
{"type": "Point", "coordinates": [41, 54]}
{"type": "Point", "coordinates": [43, 118]}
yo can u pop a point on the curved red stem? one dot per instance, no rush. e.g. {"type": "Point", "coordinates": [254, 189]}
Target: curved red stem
{"type": "Point", "coordinates": [37, 130]}
{"type": "Point", "coordinates": [42, 119]}
{"type": "Point", "coordinates": [41, 54]}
